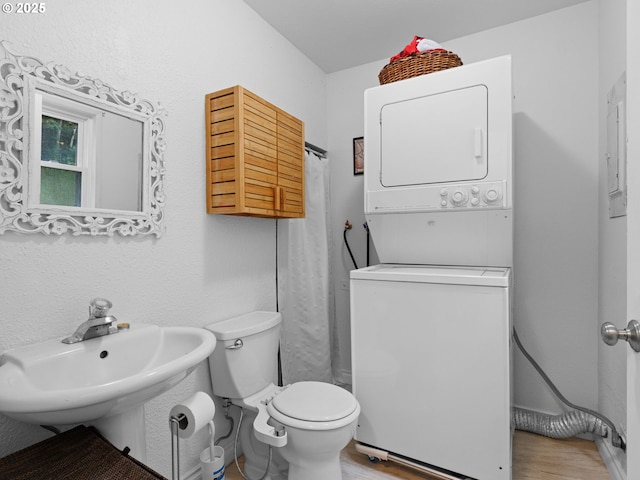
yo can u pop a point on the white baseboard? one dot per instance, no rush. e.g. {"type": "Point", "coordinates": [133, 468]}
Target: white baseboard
{"type": "Point", "coordinates": [611, 458]}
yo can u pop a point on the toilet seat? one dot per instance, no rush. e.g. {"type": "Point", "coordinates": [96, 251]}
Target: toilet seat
{"type": "Point", "coordinates": [314, 406]}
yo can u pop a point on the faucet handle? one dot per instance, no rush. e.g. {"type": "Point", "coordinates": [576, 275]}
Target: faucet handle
{"type": "Point", "coordinates": [99, 307]}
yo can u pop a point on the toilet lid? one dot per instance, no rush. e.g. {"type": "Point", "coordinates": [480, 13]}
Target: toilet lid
{"type": "Point", "coordinates": [315, 402]}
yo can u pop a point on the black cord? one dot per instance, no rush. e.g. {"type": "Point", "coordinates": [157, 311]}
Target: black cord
{"type": "Point", "coordinates": [228, 434]}
{"type": "Point", "coordinates": [277, 269]}
{"type": "Point", "coordinates": [366, 228]}
{"type": "Point", "coordinates": [346, 242]}
{"type": "Point", "coordinates": [280, 381]}
{"type": "Point", "coordinates": [616, 440]}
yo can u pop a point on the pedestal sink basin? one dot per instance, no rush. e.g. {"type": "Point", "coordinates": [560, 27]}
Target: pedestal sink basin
{"type": "Point", "coordinates": [103, 381]}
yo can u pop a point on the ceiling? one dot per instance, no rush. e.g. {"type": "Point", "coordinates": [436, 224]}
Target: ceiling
{"type": "Point", "coordinates": [340, 34]}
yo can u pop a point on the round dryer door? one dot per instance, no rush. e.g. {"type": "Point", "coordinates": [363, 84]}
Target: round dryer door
{"type": "Point", "coordinates": [315, 402]}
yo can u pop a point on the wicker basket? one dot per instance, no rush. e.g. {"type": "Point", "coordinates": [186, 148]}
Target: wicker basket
{"type": "Point", "coordinates": [420, 64]}
{"type": "Point", "coordinates": [77, 454]}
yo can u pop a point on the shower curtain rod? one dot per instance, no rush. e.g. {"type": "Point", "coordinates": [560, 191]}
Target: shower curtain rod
{"type": "Point", "coordinates": [311, 148]}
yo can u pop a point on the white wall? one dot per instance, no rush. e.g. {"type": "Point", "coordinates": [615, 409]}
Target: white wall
{"type": "Point", "coordinates": [345, 113]}
{"type": "Point", "coordinates": [555, 78]}
{"type": "Point", "coordinates": [207, 267]}
{"type": "Point", "coordinates": [612, 299]}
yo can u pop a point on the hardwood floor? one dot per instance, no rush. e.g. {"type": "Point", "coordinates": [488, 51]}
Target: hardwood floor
{"type": "Point", "coordinates": [540, 458]}
{"type": "Point", "coordinates": [534, 458]}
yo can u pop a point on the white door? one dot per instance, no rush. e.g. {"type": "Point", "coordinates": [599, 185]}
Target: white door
{"type": "Point", "coordinates": [633, 235]}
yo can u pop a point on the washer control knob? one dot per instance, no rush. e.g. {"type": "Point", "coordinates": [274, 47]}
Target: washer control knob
{"type": "Point", "coordinates": [443, 203]}
{"type": "Point", "coordinates": [492, 195]}
{"type": "Point", "coordinates": [443, 192]}
{"type": "Point", "coordinates": [475, 202]}
{"type": "Point", "coordinates": [459, 198]}
{"type": "Point", "coordinates": [475, 190]}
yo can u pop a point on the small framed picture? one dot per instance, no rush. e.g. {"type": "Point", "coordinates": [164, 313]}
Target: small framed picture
{"type": "Point", "coordinates": [358, 156]}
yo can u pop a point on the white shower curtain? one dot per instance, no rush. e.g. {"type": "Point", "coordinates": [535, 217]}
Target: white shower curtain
{"type": "Point", "coordinates": [305, 298]}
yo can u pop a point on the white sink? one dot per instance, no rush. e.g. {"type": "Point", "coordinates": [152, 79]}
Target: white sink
{"type": "Point", "coordinates": [54, 383]}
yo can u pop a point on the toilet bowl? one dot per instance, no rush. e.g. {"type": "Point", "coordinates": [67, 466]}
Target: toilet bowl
{"type": "Point", "coordinates": [297, 431]}
{"type": "Point", "coordinates": [319, 420]}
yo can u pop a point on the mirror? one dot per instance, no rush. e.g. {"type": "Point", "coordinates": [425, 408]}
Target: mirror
{"type": "Point", "coordinates": [76, 155]}
{"type": "Point", "coordinates": [83, 156]}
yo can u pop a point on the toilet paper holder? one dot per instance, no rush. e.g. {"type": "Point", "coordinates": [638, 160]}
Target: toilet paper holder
{"type": "Point", "coordinates": [184, 420]}
{"type": "Point", "coordinates": [181, 420]}
{"type": "Point", "coordinates": [176, 422]}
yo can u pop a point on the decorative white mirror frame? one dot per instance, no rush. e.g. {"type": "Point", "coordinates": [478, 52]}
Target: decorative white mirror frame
{"type": "Point", "coordinates": [17, 75]}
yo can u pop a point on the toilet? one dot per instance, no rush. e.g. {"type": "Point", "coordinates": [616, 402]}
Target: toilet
{"type": "Point", "coordinates": [303, 426]}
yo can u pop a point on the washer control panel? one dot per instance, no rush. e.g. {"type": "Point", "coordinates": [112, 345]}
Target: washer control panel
{"type": "Point", "coordinates": [441, 197]}
{"type": "Point", "coordinates": [472, 195]}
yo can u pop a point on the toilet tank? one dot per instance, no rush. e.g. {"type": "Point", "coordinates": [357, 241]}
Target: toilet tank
{"type": "Point", "coordinates": [245, 359]}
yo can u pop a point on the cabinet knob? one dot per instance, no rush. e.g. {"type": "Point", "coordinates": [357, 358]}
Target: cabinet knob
{"type": "Point", "coordinates": [276, 198]}
{"type": "Point", "coordinates": [279, 198]}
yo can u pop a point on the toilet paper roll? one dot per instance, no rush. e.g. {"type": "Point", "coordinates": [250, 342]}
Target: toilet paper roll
{"type": "Point", "coordinates": [198, 410]}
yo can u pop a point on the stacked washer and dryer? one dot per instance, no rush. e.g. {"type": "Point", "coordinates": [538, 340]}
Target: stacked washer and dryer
{"type": "Point", "coordinates": [431, 325]}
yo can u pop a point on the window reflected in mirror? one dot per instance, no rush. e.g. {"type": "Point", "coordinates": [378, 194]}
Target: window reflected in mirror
{"type": "Point", "coordinates": [60, 180]}
{"type": "Point", "coordinates": [89, 157]}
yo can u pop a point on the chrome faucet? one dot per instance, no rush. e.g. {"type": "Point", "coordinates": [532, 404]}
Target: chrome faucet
{"type": "Point", "coordinates": [98, 324]}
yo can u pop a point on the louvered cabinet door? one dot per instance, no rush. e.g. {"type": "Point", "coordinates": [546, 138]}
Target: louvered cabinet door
{"type": "Point", "coordinates": [290, 134]}
{"type": "Point", "coordinates": [255, 156]}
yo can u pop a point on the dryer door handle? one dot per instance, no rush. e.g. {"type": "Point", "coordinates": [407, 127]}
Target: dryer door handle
{"type": "Point", "coordinates": [478, 143]}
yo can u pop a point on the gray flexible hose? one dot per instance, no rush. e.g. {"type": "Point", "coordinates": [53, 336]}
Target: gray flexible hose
{"type": "Point", "coordinates": [565, 425]}
{"type": "Point", "coordinates": [616, 440]}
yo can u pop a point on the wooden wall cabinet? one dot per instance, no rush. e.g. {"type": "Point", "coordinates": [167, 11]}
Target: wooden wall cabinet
{"type": "Point", "coordinates": [255, 157]}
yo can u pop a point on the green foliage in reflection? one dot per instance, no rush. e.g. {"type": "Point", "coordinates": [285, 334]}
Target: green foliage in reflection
{"type": "Point", "coordinates": [60, 187]}
{"type": "Point", "coordinates": [59, 140]}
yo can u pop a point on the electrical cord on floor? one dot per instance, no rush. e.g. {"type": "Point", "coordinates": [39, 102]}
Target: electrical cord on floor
{"type": "Point", "coordinates": [348, 226]}
{"type": "Point", "coordinates": [616, 439]}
